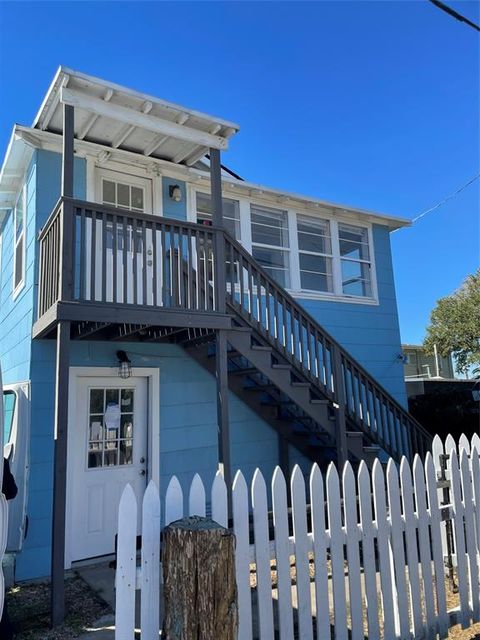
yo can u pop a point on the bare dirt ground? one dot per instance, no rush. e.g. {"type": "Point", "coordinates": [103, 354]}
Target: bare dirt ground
{"type": "Point", "coordinates": [28, 607]}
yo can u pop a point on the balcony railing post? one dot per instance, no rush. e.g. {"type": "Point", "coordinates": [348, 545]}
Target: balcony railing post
{"type": "Point", "coordinates": [66, 215]}
{"type": "Point", "coordinates": [218, 223]}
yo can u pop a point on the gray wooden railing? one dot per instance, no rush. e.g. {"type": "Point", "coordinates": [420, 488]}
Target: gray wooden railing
{"type": "Point", "coordinates": [94, 253]}
{"type": "Point", "coordinates": [127, 258]}
{"type": "Point", "coordinates": [285, 324]}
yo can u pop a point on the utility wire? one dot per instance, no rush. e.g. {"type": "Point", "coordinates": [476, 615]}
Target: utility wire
{"type": "Point", "coordinates": [454, 14]}
{"type": "Point", "coordinates": [446, 199]}
{"type": "Point", "coordinates": [449, 197]}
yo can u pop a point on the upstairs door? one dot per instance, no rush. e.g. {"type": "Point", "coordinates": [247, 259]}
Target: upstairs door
{"type": "Point", "coordinates": [107, 450]}
{"type": "Point", "coordinates": [124, 248]}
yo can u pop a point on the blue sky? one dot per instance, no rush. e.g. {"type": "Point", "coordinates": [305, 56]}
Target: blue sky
{"type": "Point", "coordinates": [373, 104]}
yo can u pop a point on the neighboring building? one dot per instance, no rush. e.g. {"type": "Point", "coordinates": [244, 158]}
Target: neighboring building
{"type": "Point", "coordinates": [446, 406]}
{"type": "Point", "coordinates": [297, 317]}
{"type": "Point", "coordinates": [418, 364]}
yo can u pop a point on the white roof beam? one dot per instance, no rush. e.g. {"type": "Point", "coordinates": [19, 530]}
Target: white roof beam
{"type": "Point", "coordinates": [155, 144]}
{"type": "Point", "coordinates": [142, 120]}
{"type": "Point", "coordinates": [126, 130]}
{"type": "Point", "coordinates": [195, 157]}
{"type": "Point", "coordinates": [92, 119]}
{"type": "Point", "coordinates": [53, 105]}
{"type": "Point", "coordinates": [184, 153]}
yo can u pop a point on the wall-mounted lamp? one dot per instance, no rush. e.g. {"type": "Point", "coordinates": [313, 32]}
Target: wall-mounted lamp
{"type": "Point", "coordinates": [124, 365]}
{"type": "Point", "coordinates": [175, 192]}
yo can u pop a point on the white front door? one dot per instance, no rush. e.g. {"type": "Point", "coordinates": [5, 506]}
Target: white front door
{"type": "Point", "coordinates": [107, 450]}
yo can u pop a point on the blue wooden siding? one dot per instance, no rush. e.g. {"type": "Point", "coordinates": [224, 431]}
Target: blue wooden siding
{"type": "Point", "coordinates": [187, 392]}
{"type": "Point", "coordinates": [172, 209]}
{"type": "Point", "coordinates": [188, 429]}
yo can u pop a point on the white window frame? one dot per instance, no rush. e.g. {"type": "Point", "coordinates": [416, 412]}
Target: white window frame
{"type": "Point", "coordinates": [328, 256]}
{"type": "Point", "coordinates": [284, 249]}
{"type": "Point", "coordinates": [192, 208]}
{"type": "Point", "coordinates": [293, 252]}
{"type": "Point", "coordinates": [23, 236]}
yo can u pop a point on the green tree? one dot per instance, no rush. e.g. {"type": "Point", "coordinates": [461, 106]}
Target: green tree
{"type": "Point", "coordinates": [455, 325]}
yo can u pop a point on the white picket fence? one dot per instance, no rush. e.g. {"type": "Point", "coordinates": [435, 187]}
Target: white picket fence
{"type": "Point", "coordinates": [368, 549]}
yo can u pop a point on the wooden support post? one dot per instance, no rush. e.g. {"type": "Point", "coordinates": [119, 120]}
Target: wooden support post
{"type": "Point", "coordinates": [221, 374]}
{"type": "Point", "coordinates": [340, 419]}
{"type": "Point", "coordinates": [221, 368]}
{"type": "Point", "coordinates": [61, 379]}
{"type": "Point", "coordinates": [200, 589]}
{"type": "Point", "coordinates": [60, 474]}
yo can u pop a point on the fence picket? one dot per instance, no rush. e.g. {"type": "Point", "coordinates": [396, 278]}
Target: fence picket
{"type": "Point", "coordinates": [397, 528]}
{"type": "Point", "coordinates": [126, 566]}
{"type": "Point", "coordinates": [242, 555]}
{"type": "Point", "coordinates": [300, 532]}
{"type": "Point", "coordinates": [388, 603]}
{"type": "Point", "coordinates": [353, 551]}
{"type": "Point", "coordinates": [150, 563]}
{"type": "Point", "coordinates": [437, 548]}
{"type": "Point", "coordinates": [411, 546]}
{"type": "Point", "coordinates": [459, 539]}
{"type": "Point", "coordinates": [197, 497]}
{"type": "Point", "coordinates": [173, 501]}
{"type": "Point", "coordinates": [368, 548]}
{"type": "Point", "coordinates": [282, 554]}
{"type": "Point", "coordinates": [336, 553]}
{"type": "Point", "coordinates": [424, 544]}
{"type": "Point", "coordinates": [317, 500]}
{"type": "Point", "coordinates": [470, 540]}
{"type": "Point", "coordinates": [219, 500]}
{"type": "Point", "coordinates": [262, 556]}
{"type": "Point", "coordinates": [397, 519]}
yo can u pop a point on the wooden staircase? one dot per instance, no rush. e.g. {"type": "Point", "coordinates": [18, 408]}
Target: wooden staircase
{"type": "Point", "coordinates": [298, 378]}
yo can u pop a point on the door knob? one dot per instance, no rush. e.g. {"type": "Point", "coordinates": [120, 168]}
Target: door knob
{"type": "Point", "coordinates": [142, 472]}
{"type": "Point", "coordinates": [142, 460]}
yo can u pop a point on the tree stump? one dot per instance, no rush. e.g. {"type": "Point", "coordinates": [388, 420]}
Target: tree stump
{"type": "Point", "coordinates": [200, 590]}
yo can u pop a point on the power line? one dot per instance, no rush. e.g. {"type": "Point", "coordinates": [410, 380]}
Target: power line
{"type": "Point", "coordinates": [454, 14]}
{"type": "Point", "coordinates": [446, 199]}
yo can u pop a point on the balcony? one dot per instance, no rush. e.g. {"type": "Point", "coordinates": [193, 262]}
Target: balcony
{"type": "Point", "coordinates": [105, 268]}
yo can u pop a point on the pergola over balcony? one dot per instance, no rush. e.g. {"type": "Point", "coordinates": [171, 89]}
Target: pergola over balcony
{"type": "Point", "coordinates": [120, 118]}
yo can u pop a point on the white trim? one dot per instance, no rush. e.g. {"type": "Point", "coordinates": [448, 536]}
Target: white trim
{"type": "Point", "coordinates": [237, 188]}
{"type": "Point", "coordinates": [82, 100]}
{"type": "Point", "coordinates": [143, 182]}
{"type": "Point", "coordinates": [153, 429]}
{"type": "Point", "coordinates": [18, 288]}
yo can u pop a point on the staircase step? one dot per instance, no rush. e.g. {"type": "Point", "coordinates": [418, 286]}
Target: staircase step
{"type": "Point", "coordinates": [259, 347]}
{"type": "Point", "coordinates": [243, 372]}
{"type": "Point", "coordinates": [282, 367]}
{"type": "Point", "coordinates": [319, 401]}
{"type": "Point", "coordinates": [301, 385]}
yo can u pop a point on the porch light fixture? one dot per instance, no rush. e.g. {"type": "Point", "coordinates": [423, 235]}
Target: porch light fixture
{"type": "Point", "coordinates": [124, 365]}
{"type": "Point", "coordinates": [175, 192]}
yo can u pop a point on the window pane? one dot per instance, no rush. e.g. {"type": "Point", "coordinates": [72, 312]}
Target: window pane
{"type": "Point", "coordinates": [96, 400]}
{"type": "Point", "coordinates": [316, 272]}
{"type": "Point", "coordinates": [269, 226]}
{"type": "Point", "coordinates": [123, 195]}
{"type": "Point", "coordinates": [108, 192]}
{"type": "Point", "coordinates": [18, 262]}
{"type": "Point", "coordinates": [230, 208]}
{"type": "Point", "coordinates": [137, 198]}
{"type": "Point", "coordinates": [19, 216]}
{"type": "Point", "coordinates": [127, 400]}
{"type": "Point", "coordinates": [356, 278]}
{"type": "Point", "coordinates": [313, 235]}
{"type": "Point", "coordinates": [275, 262]}
{"type": "Point", "coordinates": [353, 242]}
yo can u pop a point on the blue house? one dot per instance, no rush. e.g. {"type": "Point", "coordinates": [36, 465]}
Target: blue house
{"type": "Point", "coordinates": [161, 315]}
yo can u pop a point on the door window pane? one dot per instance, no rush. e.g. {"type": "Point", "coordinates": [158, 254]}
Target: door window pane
{"type": "Point", "coordinates": [110, 427]}
{"type": "Point", "coordinates": [123, 194]}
